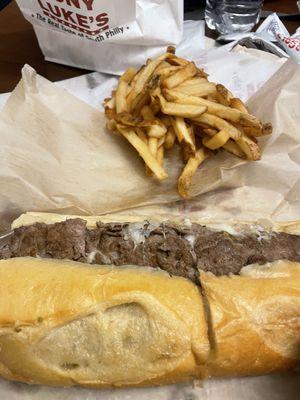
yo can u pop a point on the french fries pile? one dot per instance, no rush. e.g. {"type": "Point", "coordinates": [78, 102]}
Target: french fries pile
{"type": "Point", "coordinates": [170, 100]}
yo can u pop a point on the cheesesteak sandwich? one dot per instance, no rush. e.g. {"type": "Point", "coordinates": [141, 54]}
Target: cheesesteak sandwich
{"type": "Point", "coordinates": [164, 301]}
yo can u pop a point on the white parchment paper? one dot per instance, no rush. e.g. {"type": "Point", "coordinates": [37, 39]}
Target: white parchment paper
{"type": "Point", "coordinates": [55, 155]}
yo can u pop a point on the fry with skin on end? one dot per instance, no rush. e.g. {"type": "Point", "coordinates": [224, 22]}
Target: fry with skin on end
{"type": "Point", "coordinates": [224, 95]}
{"type": "Point", "coordinates": [144, 152]}
{"type": "Point", "coordinates": [185, 179]}
{"type": "Point", "coordinates": [254, 131]}
{"type": "Point", "coordinates": [249, 147]}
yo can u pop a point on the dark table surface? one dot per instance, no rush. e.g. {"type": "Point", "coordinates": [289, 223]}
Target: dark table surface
{"type": "Point", "coordinates": [18, 45]}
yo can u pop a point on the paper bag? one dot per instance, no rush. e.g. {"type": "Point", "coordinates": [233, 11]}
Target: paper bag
{"type": "Point", "coordinates": [104, 35]}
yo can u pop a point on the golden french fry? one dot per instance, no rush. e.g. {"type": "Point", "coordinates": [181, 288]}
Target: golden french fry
{"type": "Point", "coordinates": [163, 64]}
{"type": "Point", "coordinates": [233, 148]}
{"type": "Point", "coordinates": [160, 155]}
{"type": "Point", "coordinates": [229, 146]}
{"type": "Point", "coordinates": [217, 141]}
{"type": "Point", "coordinates": [141, 134]}
{"type": "Point", "coordinates": [217, 109]}
{"type": "Point", "coordinates": [196, 81]}
{"type": "Point", "coordinates": [249, 147]}
{"type": "Point", "coordinates": [201, 89]}
{"type": "Point", "coordinates": [128, 120]}
{"type": "Point", "coordinates": [250, 121]}
{"type": "Point", "coordinates": [143, 78]}
{"type": "Point", "coordinates": [182, 132]}
{"type": "Point", "coordinates": [254, 131]}
{"type": "Point", "coordinates": [178, 61]}
{"type": "Point", "coordinates": [212, 97]}
{"type": "Point", "coordinates": [238, 104]}
{"type": "Point", "coordinates": [136, 77]}
{"type": "Point", "coordinates": [128, 75]}
{"type": "Point", "coordinates": [170, 138]}
{"type": "Point", "coordinates": [201, 73]}
{"type": "Point", "coordinates": [121, 103]}
{"type": "Point", "coordinates": [185, 179]}
{"type": "Point", "coordinates": [157, 131]}
{"type": "Point", "coordinates": [144, 152]}
{"type": "Point", "coordinates": [224, 95]}
{"type": "Point", "coordinates": [186, 152]}
{"type": "Point", "coordinates": [180, 110]}
{"type": "Point", "coordinates": [218, 123]}
{"type": "Point", "coordinates": [153, 146]}
{"type": "Point", "coordinates": [138, 102]}
{"type": "Point", "coordinates": [180, 76]}
{"type": "Point", "coordinates": [122, 89]}
{"type": "Point", "coordinates": [167, 71]}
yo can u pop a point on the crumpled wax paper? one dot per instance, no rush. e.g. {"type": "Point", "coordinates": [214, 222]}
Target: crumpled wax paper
{"type": "Point", "coordinates": [56, 155]}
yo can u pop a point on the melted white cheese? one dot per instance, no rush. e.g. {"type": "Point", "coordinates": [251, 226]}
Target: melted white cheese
{"type": "Point", "coordinates": [191, 239]}
{"type": "Point", "coordinates": [139, 231]}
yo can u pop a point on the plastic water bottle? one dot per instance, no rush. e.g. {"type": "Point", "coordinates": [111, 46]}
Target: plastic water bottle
{"type": "Point", "coordinates": [229, 16]}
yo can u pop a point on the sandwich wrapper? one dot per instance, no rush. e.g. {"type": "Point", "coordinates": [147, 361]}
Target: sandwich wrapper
{"type": "Point", "coordinates": [56, 156]}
